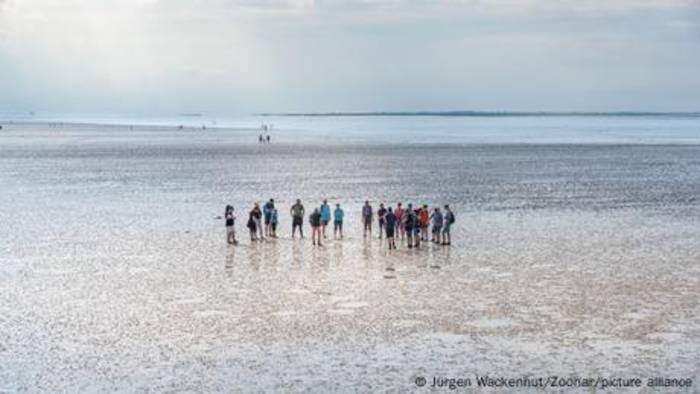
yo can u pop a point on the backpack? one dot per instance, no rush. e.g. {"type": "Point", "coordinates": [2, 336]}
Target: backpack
{"type": "Point", "coordinates": [450, 217]}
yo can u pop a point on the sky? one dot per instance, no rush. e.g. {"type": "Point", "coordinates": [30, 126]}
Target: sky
{"type": "Point", "coordinates": [246, 56]}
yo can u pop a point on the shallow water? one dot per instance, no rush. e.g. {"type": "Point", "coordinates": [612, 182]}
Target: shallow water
{"type": "Point", "coordinates": [569, 259]}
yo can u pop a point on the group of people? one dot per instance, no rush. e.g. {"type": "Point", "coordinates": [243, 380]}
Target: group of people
{"type": "Point", "coordinates": [410, 224]}
{"type": "Point", "coordinates": [264, 137]}
{"type": "Point", "coordinates": [413, 225]}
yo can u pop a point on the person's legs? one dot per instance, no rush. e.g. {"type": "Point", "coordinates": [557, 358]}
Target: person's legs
{"type": "Point", "coordinates": [340, 227]}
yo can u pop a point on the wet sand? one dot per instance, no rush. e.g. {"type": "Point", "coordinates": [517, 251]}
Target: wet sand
{"type": "Point", "coordinates": [576, 260]}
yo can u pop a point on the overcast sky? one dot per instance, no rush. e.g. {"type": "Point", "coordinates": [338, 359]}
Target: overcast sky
{"type": "Point", "coordinates": [242, 56]}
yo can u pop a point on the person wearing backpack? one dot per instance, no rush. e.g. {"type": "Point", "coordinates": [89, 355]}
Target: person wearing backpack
{"type": "Point", "coordinates": [449, 220]}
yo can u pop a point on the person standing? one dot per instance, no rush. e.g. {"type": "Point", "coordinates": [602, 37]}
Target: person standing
{"type": "Point", "coordinates": [267, 212]}
{"type": "Point", "coordinates": [381, 212]}
{"type": "Point", "coordinates": [251, 226]}
{"type": "Point", "coordinates": [409, 222]}
{"type": "Point", "coordinates": [274, 221]}
{"type": "Point", "coordinates": [325, 216]}
{"type": "Point", "coordinates": [338, 221]}
{"type": "Point", "coordinates": [297, 212]}
{"type": "Point", "coordinates": [315, 221]}
{"type": "Point", "coordinates": [398, 212]}
{"type": "Point", "coordinates": [437, 219]}
{"type": "Point", "coordinates": [390, 226]}
{"type": "Point", "coordinates": [424, 221]}
{"type": "Point", "coordinates": [417, 228]}
{"type": "Point", "coordinates": [367, 219]}
{"type": "Point", "coordinates": [230, 222]}
{"type": "Point", "coordinates": [449, 221]}
{"type": "Point", "coordinates": [257, 217]}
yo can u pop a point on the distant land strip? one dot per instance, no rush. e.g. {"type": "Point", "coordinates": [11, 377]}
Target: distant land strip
{"type": "Point", "coordinates": [481, 114]}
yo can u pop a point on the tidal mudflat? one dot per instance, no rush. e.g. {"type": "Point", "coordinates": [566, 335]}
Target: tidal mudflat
{"type": "Point", "coordinates": [572, 259]}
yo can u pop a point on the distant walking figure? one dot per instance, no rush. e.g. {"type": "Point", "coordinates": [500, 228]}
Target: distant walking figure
{"type": "Point", "coordinates": [260, 138]}
{"type": "Point", "coordinates": [449, 221]}
{"type": "Point", "coordinates": [390, 225]}
{"type": "Point", "coordinates": [338, 221]}
{"type": "Point", "coordinates": [325, 216]}
{"type": "Point", "coordinates": [381, 212]}
{"type": "Point", "coordinates": [268, 138]}
{"type": "Point", "coordinates": [297, 212]}
{"type": "Point", "coordinates": [230, 229]}
{"type": "Point", "coordinates": [315, 221]}
{"type": "Point", "coordinates": [367, 219]}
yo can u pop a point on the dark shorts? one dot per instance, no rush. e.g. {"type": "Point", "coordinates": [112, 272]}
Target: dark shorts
{"type": "Point", "coordinates": [338, 225]}
{"type": "Point", "coordinates": [297, 221]}
{"type": "Point", "coordinates": [367, 220]}
{"type": "Point", "coordinates": [436, 229]}
{"type": "Point", "coordinates": [390, 232]}
{"type": "Point", "coordinates": [324, 222]}
{"type": "Point", "coordinates": [268, 219]}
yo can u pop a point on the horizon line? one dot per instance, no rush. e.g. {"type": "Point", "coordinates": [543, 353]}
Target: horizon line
{"type": "Point", "coordinates": [467, 113]}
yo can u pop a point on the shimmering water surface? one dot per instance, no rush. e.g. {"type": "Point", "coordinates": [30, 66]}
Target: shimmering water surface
{"type": "Point", "coordinates": [573, 254]}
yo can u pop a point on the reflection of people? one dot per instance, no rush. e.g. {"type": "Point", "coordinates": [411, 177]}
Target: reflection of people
{"type": "Point", "coordinates": [315, 221]}
{"type": "Point", "coordinates": [297, 212]}
{"type": "Point", "coordinates": [338, 221]}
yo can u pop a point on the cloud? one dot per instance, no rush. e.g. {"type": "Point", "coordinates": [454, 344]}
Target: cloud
{"type": "Point", "coordinates": [247, 55]}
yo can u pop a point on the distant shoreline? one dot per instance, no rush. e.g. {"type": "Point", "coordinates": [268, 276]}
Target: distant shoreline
{"type": "Point", "coordinates": [482, 114]}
